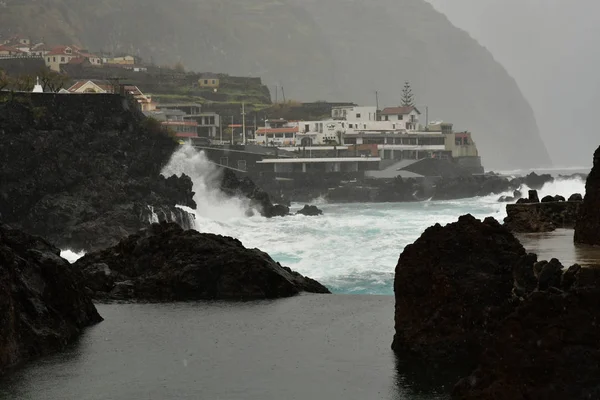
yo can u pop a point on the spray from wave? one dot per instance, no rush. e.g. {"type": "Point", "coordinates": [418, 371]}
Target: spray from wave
{"type": "Point", "coordinates": [212, 203]}
{"type": "Point", "coordinates": [71, 256]}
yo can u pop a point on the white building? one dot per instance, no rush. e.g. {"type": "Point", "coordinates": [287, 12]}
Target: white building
{"type": "Point", "coordinates": [354, 113]}
{"type": "Point", "coordinates": [406, 116]}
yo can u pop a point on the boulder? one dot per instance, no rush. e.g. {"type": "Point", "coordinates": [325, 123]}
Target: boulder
{"type": "Point", "coordinates": [167, 263]}
{"type": "Point", "coordinates": [534, 181]}
{"type": "Point", "coordinates": [576, 197]}
{"type": "Point", "coordinates": [548, 199]}
{"type": "Point", "coordinates": [43, 301]}
{"type": "Point", "coordinates": [587, 229]}
{"type": "Point", "coordinates": [310, 211]}
{"type": "Point", "coordinates": [452, 286]}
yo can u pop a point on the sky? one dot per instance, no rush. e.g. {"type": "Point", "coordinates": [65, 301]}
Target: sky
{"type": "Point", "coordinates": [551, 49]}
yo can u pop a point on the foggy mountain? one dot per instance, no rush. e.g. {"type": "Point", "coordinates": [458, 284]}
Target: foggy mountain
{"type": "Point", "coordinates": [550, 47]}
{"type": "Point", "coordinates": [342, 50]}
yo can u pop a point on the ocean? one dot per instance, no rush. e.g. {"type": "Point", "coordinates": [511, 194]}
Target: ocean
{"type": "Point", "coordinates": [306, 347]}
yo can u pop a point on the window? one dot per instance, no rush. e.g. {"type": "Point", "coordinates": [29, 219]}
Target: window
{"type": "Point", "coordinates": [357, 115]}
{"type": "Point", "coordinates": [387, 117]}
{"type": "Point", "coordinates": [242, 164]}
{"type": "Point", "coordinates": [62, 59]}
{"type": "Point", "coordinates": [289, 135]}
{"type": "Point", "coordinates": [53, 59]}
{"type": "Point", "coordinates": [206, 81]}
{"type": "Point", "coordinates": [48, 59]}
{"type": "Point", "coordinates": [213, 81]}
{"type": "Point", "coordinates": [306, 128]}
{"type": "Point", "coordinates": [400, 117]}
{"type": "Point", "coordinates": [350, 126]}
{"type": "Point", "coordinates": [211, 120]}
{"type": "Point", "coordinates": [279, 135]}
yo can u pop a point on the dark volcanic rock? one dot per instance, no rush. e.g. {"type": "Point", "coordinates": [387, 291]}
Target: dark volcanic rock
{"type": "Point", "coordinates": [84, 171]}
{"type": "Point", "coordinates": [541, 217]}
{"type": "Point", "coordinates": [452, 286]}
{"type": "Point", "coordinates": [534, 181]}
{"type": "Point", "coordinates": [43, 302]}
{"type": "Point", "coordinates": [167, 263]}
{"type": "Point", "coordinates": [232, 185]}
{"type": "Point", "coordinates": [548, 347]}
{"type": "Point", "coordinates": [533, 196]}
{"type": "Point", "coordinates": [310, 211]}
{"type": "Point", "coordinates": [587, 229]}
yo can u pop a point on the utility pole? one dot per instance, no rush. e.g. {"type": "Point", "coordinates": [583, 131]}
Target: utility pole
{"type": "Point", "coordinates": [231, 140]}
{"type": "Point", "coordinates": [221, 130]}
{"type": "Point", "coordinates": [243, 123]}
{"type": "Point", "coordinates": [376, 105]}
{"type": "Point", "coordinates": [283, 94]}
{"type": "Point", "coordinates": [276, 93]}
{"type": "Point", "coordinates": [254, 133]}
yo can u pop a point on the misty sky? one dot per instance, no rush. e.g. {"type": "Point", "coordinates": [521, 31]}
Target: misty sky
{"type": "Point", "coordinates": [551, 48]}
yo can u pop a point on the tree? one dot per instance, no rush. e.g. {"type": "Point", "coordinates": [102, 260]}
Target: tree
{"type": "Point", "coordinates": [52, 81]}
{"type": "Point", "coordinates": [23, 83]}
{"type": "Point", "coordinates": [408, 99]}
{"type": "Point", "coordinates": [4, 81]}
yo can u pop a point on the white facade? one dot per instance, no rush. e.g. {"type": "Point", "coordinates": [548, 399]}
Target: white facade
{"type": "Point", "coordinates": [354, 113]}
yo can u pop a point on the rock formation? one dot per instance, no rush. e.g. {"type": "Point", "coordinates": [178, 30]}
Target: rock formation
{"type": "Point", "coordinates": [232, 185]}
{"type": "Point", "coordinates": [587, 229]}
{"type": "Point", "coordinates": [311, 211]}
{"type": "Point", "coordinates": [83, 171]}
{"type": "Point", "coordinates": [166, 263]}
{"type": "Point", "coordinates": [452, 285]}
{"type": "Point", "coordinates": [541, 217]}
{"type": "Point", "coordinates": [547, 348]}
{"type": "Point", "coordinates": [468, 295]}
{"type": "Point", "coordinates": [43, 302]}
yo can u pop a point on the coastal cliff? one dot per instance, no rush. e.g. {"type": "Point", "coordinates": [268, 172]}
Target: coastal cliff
{"type": "Point", "coordinates": [166, 263]}
{"type": "Point", "coordinates": [83, 171]}
{"type": "Point", "coordinates": [43, 302]}
{"type": "Point", "coordinates": [587, 228]}
{"type": "Point", "coordinates": [326, 35]}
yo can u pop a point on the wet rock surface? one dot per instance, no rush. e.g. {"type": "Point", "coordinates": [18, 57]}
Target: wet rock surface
{"type": "Point", "coordinates": [84, 171]}
{"type": "Point", "coordinates": [587, 228]}
{"type": "Point", "coordinates": [311, 211]}
{"type": "Point", "coordinates": [167, 263]}
{"type": "Point", "coordinates": [468, 297]}
{"type": "Point", "coordinates": [43, 301]}
{"type": "Point", "coordinates": [452, 285]}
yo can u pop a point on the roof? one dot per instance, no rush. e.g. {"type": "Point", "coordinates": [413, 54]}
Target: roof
{"type": "Point", "coordinates": [399, 110]}
{"type": "Point", "coordinates": [208, 75]}
{"type": "Point", "coordinates": [77, 60]}
{"type": "Point", "coordinates": [9, 48]}
{"type": "Point", "coordinates": [277, 130]}
{"type": "Point", "coordinates": [317, 160]}
{"type": "Point", "coordinates": [101, 84]}
{"type": "Point", "coordinates": [60, 50]}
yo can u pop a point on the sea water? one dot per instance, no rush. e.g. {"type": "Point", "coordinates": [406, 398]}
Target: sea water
{"type": "Point", "coordinates": [305, 347]}
{"type": "Point", "coordinates": [352, 248]}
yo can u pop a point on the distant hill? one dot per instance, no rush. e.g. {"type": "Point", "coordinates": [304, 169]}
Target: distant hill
{"type": "Point", "coordinates": [340, 50]}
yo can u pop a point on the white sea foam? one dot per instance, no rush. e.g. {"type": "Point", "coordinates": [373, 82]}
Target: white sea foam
{"type": "Point", "coordinates": [71, 256]}
{"type": "Point", "coordinates": [352, 248]}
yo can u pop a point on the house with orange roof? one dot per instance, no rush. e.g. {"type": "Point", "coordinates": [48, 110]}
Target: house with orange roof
{"type": "Point", "coordinates": [62, 55]}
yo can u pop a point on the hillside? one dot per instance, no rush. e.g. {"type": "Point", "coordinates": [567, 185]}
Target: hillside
{"type": "Point", "coordinates": [340, 50]}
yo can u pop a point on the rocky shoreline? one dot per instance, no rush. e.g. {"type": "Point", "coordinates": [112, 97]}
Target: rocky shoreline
{"type": "Point", "coordinates": [167, 263]}
{"type": "Point", "coordinates": [43, 301]}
